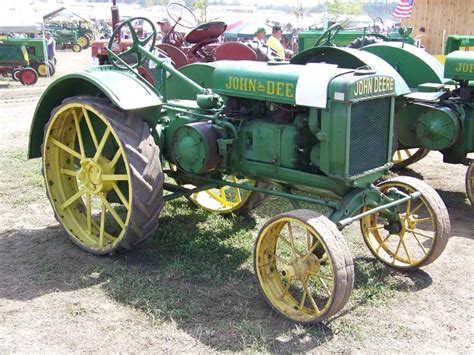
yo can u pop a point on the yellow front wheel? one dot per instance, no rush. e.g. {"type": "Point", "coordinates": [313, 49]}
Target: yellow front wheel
{"type": "Point", "coordinates": [103, 175]}
{"type": "Point", "coordinates": [404, 157]}
{"type": "Point", "coordinates": [299, 284]}
{"type": "Point", "coordinates": [76, 48]}
{"type": "Point", "coordinates": [419, 236]}
{"type": "Point", "coordinates": [470, 183]}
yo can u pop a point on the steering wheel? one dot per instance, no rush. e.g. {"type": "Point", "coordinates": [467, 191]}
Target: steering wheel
{"type": "Point", "coordinates": [375, 27]}
{"type": "Point", "coordinates": [328, 36]}
{"type": "Point", "coordinates": [181, 14]}
{"type": "Point", "coordinates": [136, 43]}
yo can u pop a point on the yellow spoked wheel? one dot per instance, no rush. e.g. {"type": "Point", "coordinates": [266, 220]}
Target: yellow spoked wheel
{"type": "Point", "coordinates": [420, 235]}
{"type": "Point", "coordinates": [296, 282]}
{"type": "Point", "coordinates": [470, 183]}
{"type": "Point", "coordinates": [76, 48]}
{"type": "Point", "coordinates": [229, 199]}
{"type": "Point", "coordinates": [83, 41]}
{"type": "Point", "coordinates": [43, 69]}
{"type": "Point", "coordinates": [101, 190]}
{"type": "Point", "coordinates": [404, 157]}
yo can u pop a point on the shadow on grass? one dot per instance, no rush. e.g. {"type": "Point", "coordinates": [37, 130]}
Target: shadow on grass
{"type": "Point", "coordinates": [197, 271]}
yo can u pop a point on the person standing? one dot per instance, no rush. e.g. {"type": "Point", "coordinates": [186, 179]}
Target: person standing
{"type": "Point", "coordinates": [274, 41]}
{"type": "Point", "coordinates": [423, 38]}
{"type": "Point", "coordinates": [51, 46]}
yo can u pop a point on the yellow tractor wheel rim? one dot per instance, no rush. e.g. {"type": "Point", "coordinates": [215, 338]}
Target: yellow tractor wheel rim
{"type": "Point", "coordinates": [227, 199]}
{"type": "Point", "coordinates": [76, 48]}
{"type": "Point", "coordinates": [80, 175]}
{"type": "Point", "coordinates": [411, 245]}
{"type": "Point", "coordinates": [42, 69]}
{"type": "Point", "coordinates": [470, 183]}
{"type": "Point", "coordinates": [294, 280]}
{"type": "Point", "coordinates": [82, 41]}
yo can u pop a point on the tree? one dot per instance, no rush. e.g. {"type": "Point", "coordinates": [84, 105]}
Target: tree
{"type": "Point", "coordinates": [338, 7]}
{"type": "Point", "coordinates": [202, 5]}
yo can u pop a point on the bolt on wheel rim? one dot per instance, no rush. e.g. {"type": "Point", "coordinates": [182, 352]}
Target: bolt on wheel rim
{"type": "Point", "coordinates": [85, 165]}
{"type": "Point", "coordinates": [410, 242]}
{"type": "Point", "coordinates": [295, 281]}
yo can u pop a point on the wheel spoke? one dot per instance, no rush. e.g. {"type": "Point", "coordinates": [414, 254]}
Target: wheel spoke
{"type": "Point", "coordinates": [71, 199]}
{"type": "Point", "coordinates": [115, 177]}
{"type": "Point", "coordinates": [396, 251]}
{"type": "Point", "coordinates": [91, 128]}
{"type": "Point", "coordinates": [427, 219]}
{"type": "Point", "coordinates": [407, 151]}
{"type": "Point", "coordinates": [399, 154]}
{"type": "Point", "coordinates": [68, 172]}
{"type": "Point", "coordinates": [419, 243]}
{"type": "Point", "coordinates": [223, 196]}
{"type": "Point", "coordinates": [287, 287]}
{"type": "Point", "coordinates": [407, 212]}
{"type": "Point", "coordinates": [102, 144]}
{"type": "Point", "coordinates": [216, 197]}
{"type": "Point", "coordinates": [121, 196]}
{"type": "Point", "coordinates": [421, 234]}
{"type": "Point", "coordinates": [115, 159]}
{"type": "Point", "coordinates": [315, 306]}
{"type": "Point", "coordinates": [146, 40]}
{"type": "Point", "coordinates": [289, 244]}
{"type": "Point", "coordinates": [133, 33]}
{"type": "Point", "coordinates": [111, 210]}
{"type": "Point", "coordinates": [310, 251]}
{"type": "Point", "coordinates": [406, 251]}
{"type": "Point", "coordinates": [292, 238]}
{"type": "Point", "coordinates": [102, 225]}
{"type": "Point", "coordinates": [89, 214]}
{"type": "Point", "coordinates": [370, 229]}
{"type": "Point", "coordinates": [318, 274]}
{"type": "Point", "coordinates": [79, 134]}
{"type": "Point", "coordinates": [417, 208]}
{"type": "Point", "coordinates": [382, 243]}
{"type": "Point", "coordinates": [325, 286]}
{"type": "Point", "coordinates": [66, 148]}
{"type": "Point", "coordinates": [303, 298]}
{"type": "Point", "coordinates": [277, 257]}
{"type": "Point", "coordinates": [309, 239]}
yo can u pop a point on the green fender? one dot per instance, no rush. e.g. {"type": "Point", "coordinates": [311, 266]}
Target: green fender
{"type": "Point", "coordinates": [200, 73]}
{"type": "Point", "coordinates": [415, 65]}
{"type": "Point", "coordinates": [123, 89]}
{"type": "Point", "coordinates": [351, 59]}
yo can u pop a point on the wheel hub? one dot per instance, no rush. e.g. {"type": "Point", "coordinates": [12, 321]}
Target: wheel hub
{"type": "Point", "coordinates": [299, 268]}
{"type": "Point", "coordinates": [91, 174]}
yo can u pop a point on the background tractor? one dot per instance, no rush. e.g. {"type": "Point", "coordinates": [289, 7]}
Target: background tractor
{"type": "Point", "coordinates": [107, 138]}
{"type": "Point", "coordinates": [14, 61]}
{"type": "Point", "coordinates": [37, 49]}
{"type": "Point", "coordinates": [434, 108]}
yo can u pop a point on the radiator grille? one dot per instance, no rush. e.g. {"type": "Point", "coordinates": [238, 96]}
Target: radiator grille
{"type": "Point", "coordinates": [370, 122]}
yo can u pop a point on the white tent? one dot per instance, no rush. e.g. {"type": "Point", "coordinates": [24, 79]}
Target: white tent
{"type": "Point", "coordinates": [12, 21]}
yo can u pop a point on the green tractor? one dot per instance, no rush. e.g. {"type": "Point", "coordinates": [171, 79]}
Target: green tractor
{"type": "Point", "coordinates": [38, 54]}
{"type": "Point", "coordinates": [66, 39]}
{"type": "Point", "coordinates": [14, 61]}
{"type": "Point", "coordinates": [435, 108]}
{"type": "Point", "coordinates": [298, 132]}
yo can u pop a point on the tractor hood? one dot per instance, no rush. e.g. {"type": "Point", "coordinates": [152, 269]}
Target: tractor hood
{"type": "Point", "coordinates": [459, 66]}
{"type": "Point", "coordinates": [351, 58]}
{"type": "Point", "coordinates": [305, 85]}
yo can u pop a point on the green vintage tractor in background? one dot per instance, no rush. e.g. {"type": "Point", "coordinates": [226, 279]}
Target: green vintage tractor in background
{"type": "Point", "coordinates": [37, 49]}
{"type": "Point", "coordinates": [434, 109]}
{"type": "Point", "coordinates": [14, 61]}
{"type": "Point", "coordinates": [107, 139]}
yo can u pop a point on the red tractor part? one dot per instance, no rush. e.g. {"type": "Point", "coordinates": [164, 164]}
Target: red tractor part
{"type": "Point", "coordinates": [234, 51]}
{"type": "Point", "coordinates": [177, 56]}
{"type": "Point", "coordinates": [28, 76]}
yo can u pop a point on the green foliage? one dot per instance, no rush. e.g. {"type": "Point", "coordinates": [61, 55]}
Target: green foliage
{"type": "Point", "coordinates": [339, 7]}
{"type": "Point", "coordinates": [202, 5]}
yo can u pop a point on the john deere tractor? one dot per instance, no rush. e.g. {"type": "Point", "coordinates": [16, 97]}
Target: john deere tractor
{"type": "Point", "coordinates": [434, 108]}
{"type": "Point", "coordinates": [316, 134]}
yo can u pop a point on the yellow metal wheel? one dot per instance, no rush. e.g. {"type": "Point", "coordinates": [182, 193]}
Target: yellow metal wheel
{"type": "Point", "coordinates": [83, 41]}
{"type": "Point", "coordinates": [470, 183]}
{"type": "Point", "coordinates": [101, 191]}
{"type": "Point", "coordinates": [297, 283]}
{"type": "Point", "coordinates": [76, 48]}
{"type": "Point", "coordinates": [405, 157]}
{"type": "Point", "coordinates": [43, 70]}
{"type": "Point", "coordinates": [421, 234]}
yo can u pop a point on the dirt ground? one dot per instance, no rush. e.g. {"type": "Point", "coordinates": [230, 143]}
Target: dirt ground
{"type": "Point", "coordinates": [56, 298]}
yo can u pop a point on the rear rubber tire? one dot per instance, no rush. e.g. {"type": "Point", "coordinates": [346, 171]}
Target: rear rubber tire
{"type": "Point", "coordinates": [145, 176]}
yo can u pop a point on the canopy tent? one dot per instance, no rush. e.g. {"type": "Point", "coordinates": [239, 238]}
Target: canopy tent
{"type": "Point", "coordinates": [63, 14]}
{"type": "Point", "coordinates": [26, 23]}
